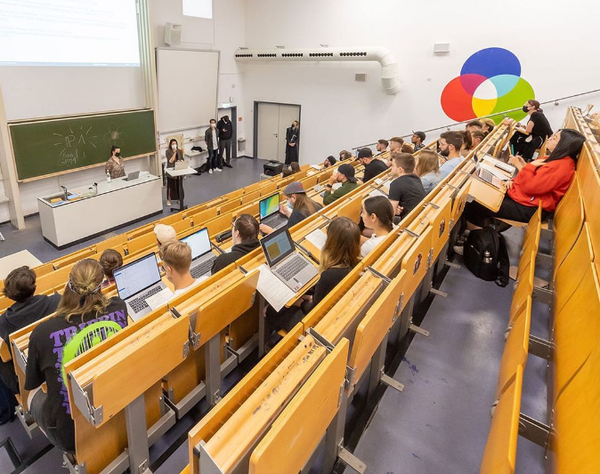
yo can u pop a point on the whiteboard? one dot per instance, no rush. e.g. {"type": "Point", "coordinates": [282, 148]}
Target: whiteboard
{"type": "Point", "coordinates": [187, 88]}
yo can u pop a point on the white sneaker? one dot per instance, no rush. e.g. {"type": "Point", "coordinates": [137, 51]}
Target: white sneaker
{"type": "Point", "coordinates": [168, 202]}
{"type": "Point", "coordinates": [218, 169]}
{"type": "Point", "coordinates": [210, 171]}
{"type": "Point", "coordinates": [459, 249]}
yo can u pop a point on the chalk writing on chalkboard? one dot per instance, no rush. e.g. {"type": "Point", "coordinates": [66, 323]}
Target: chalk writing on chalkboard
{"type": "Point", "coordinates": [75, 144]}
{"type": "Point", "coordinates": [114, 135]}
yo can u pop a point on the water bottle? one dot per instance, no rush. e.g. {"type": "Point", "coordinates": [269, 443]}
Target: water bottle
{"type": "Point", "coordinates": [487, 258]}
{"type": "Point", "coordinates": [107, 176]}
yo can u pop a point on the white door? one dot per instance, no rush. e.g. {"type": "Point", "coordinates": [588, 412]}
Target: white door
{"type": "Point", "coordinates": [273, 120]}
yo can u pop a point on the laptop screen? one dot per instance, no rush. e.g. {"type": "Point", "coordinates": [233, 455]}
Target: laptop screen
{"type": "Point", "coordinates": [277, 246]}
{"type": "Point", "coordinates": [137, 276]}
{"type": "Point", "coordinates": [199, 243]}
{"type": "Point", "coordinates": [269, 206]}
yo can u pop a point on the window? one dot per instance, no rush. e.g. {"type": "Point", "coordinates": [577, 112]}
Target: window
{"type": "Point", "coordinates": [198, 8]}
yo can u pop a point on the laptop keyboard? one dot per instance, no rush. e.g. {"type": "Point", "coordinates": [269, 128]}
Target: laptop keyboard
{"type": "Point", "coordinates": [292, 267]}
{"type": "Point", "coordinates": [203, 268]}
{"type": "Point", "coordinates": [139, 303]}
{"type": "Point", "coordinates": [275, 221]}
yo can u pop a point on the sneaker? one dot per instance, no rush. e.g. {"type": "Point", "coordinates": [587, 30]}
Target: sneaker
{"type": "Point", "coordinates": [168, 202]}
{"type": "Point", "coordinates": [459, 249]}
{"type": "Point", "coordinates": [210, 171]}
{"type": "Point", "coordinates": [219, 169]}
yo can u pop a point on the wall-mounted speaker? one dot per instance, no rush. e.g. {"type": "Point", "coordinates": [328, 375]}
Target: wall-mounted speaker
{"type": "Point", "coordinates": [172, 34]}
{"type": "Point", "coordinates": [441, 48]}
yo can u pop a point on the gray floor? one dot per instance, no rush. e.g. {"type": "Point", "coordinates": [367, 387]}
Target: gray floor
{"type": "Point", "coordinates": [197, 189]}
{"type": "Point", "coordinates": [440, 423]}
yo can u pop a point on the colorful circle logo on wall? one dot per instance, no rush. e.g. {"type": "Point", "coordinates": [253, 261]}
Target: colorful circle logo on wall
{"type": "Point", "coordinates": [490, 82]}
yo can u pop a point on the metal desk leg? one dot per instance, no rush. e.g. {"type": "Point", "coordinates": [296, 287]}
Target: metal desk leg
{"type": "Point", "coordinates": [137, 436]}
{"type": "Point", "coordinates": [212, 361]}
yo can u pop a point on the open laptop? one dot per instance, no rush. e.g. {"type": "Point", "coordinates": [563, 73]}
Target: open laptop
{"type": "Point", "coordinates": [202, 254]}
{"type": "Point", "coordinates": [181, 165]}
{"type": "Point", "coordinates": [291, 267]}
{"type": "Point", "coordinates": [133, 176]}
{"type": "Point", "coordinates": [269, 212]}
{"type": "Point", "coordinates": [136, 282]}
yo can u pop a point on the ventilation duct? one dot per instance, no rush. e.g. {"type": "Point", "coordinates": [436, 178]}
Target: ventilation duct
{"type": "Point", "coordinates": [389, 67]}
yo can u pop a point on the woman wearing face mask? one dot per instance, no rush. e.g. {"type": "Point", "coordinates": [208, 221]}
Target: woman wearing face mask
{"type": "Point", "coordinates": [531, 137]}
{"type": "Point", "coordinates": [299, 206]}
{"type": "Point", "coordinates": [114, 166]}
{"type": "Point", "coordinates": [292, 136]}
{"type": "Point", "coordinates": [173, 154]}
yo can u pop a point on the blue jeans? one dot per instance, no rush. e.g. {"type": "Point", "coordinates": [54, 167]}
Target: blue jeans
{"type": "Point", "coordinates": [214, 159]}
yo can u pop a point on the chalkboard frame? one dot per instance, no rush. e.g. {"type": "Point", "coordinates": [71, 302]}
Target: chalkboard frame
{"type": "Point", "coordinates": [78, 116]}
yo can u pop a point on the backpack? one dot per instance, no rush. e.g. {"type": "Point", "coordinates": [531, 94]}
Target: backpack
{"type": "Point", "coordinates": [486, 256]}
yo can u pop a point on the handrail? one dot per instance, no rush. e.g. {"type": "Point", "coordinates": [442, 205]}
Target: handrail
{"type": "Point", "coordinates": [447, 127]}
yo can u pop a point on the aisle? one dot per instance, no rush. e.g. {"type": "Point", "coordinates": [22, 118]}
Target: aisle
{"type": "Point", "coordinates": [439, 424]}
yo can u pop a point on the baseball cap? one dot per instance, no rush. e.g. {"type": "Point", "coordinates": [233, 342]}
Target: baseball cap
{"type": "Point", "coordinates": [294, 187]}
{"type": "Point", "coordinates": [164, 233]}
{"type": "Point", "coordinates": [365, 153]}
{"type": "Point", "coordinates": [348, 172]}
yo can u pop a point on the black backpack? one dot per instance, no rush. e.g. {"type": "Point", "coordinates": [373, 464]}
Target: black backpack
{"type": "Point", "coordinates": [486, 256]}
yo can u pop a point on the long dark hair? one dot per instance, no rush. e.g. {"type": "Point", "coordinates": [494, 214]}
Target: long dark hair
{"type": "Point", "coordinates": [113, 148]}
{"type": "Point", "coordinates": [171, 142]}
{"type": "Point", "coordinates": [569, 145]}
{"type": "Point", "coordinates": [382, 208]}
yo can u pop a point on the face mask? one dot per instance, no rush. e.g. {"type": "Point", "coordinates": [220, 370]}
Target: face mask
{"type": "Point", "coordinates": [118, 155]}
{"type": "Point", "coordinates": [525, 109]}
{"type": "Point", "coordinates": [213, 125]}
{"type": "Point", "coordinates": [289, 205]}
{"type": "Point", "coordinates": [174, 147]}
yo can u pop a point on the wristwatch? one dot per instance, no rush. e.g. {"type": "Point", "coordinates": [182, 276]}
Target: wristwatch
{"type": "Point", "coordinates": [328, 186]}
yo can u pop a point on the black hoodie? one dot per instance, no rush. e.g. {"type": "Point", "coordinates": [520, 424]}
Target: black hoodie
{"type": "Point", "coordinates": [17, 317]}
{"type": "Point", "coordinates": [237, 251]}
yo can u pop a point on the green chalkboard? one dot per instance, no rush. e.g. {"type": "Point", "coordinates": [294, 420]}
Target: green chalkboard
{"type": "Point", "coordinates": [63, 145]}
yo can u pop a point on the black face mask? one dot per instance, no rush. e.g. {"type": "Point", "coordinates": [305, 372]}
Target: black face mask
{"type": "Point", "coordinates": [118, 155]}
{"type": "Point", "coordinates": [525, 109]}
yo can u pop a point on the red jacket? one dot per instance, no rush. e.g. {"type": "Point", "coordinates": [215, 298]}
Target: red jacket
{"type": "Point", "coordinates": [547, 183]}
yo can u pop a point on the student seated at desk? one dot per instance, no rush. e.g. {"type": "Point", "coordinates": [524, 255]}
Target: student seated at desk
{"type": "Point", "coordinates": [417, 140]}
{"type": "Point", "coordinates": [344, 175]}
{"type": "Point", "coordinates": [176, 257]}
{"type": "Point", "coordinates": [329, 161]}
{"type": "Point", "coordinates": [428, 169]}
{"type": "Point", "coordinates": [339, 256]}
{"type": "Point", "coordinates": [406, 191]}
{"type": "Point", "coordinates": [373, 166]}
{"type": "Point", "coordinates": [110, 260]}
{"type": "Point", "coordinates": [244, 234]}
{"type": "Point", "coordinates": [544, 180]}
{"type": "Point", "coordinates": [19, 286]}
{"type": "Point", "coordinates": [377, 214]}
{"type": "Point", "coordinates": [84, 318]}
{"type": "Point", "coordinates": [164, 233]}
{"type": "Point", "coordinates": [293, 168]}
{"type": "Point", "coordinates": [345, 155]}
{"type": "Point", "coordinates": [301, 206]}
{"type": "Point", "coordinates": [450, 145]}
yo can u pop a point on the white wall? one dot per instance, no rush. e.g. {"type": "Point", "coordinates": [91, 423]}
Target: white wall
{"type": "Point", "coordinates": [224, 33]}
{"type": "Point", "coordinates": [553, 40]}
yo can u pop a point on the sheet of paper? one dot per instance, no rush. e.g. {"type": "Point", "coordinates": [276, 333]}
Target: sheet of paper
{"type": "Point", "coordinates": [336, 186]}
{"type": "Point", "coordinates": [316, 166]}
{"type": "Point", "coordinates": [310, 172]}
{"type": "Point", "coordinates": [317, 238]}
{"type": "Point", "coordinates": [272, 288]}
{"type": "Point", "coordinates": [159, 299]}
{"type": "Point", "coordinates": [377, 192]}
{"type": "Point", "coordinates": [318, 188]}
{"type": "Point", "coordinates": [379, 181]}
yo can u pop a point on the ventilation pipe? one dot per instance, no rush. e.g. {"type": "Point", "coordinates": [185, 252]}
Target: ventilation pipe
{"type": "Point", "coordinates": [389, 67]}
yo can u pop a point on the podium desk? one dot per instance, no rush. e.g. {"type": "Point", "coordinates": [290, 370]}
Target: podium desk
{"type": "Point", "coordinates": [179, 174]}
{"type": "Point", "coordinates": [87, 214]}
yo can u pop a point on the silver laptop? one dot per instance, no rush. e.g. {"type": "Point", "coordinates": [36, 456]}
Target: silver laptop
{"type": "Point", "coordinates": [133, 176]}
{"type": "Point", "coordinates": [202, 254]}
{"type": "Point", "coordinates": [269, 212]}
{"type": "Point", "coordinates": [136, 282]}
{"type": "Point", "coordinates": [291, 267]}
{"type": "Point", "coordinates": [181, 165]}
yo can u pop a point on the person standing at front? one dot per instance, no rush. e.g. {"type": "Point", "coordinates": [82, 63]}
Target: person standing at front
{"type": "Point", "coordinates": [225, 128]}
{"type": "Point", "coordinates": [211, 137]}
{"type": "Point", "coordinates": [292, 137]}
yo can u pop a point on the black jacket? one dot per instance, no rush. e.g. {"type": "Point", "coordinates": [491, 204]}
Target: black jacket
{"type": "Point", "coordinates": [237, 252]}
{"type": "Point", "coordinates": [17, 317]}
{"type": "Point", "coordinates": [225, 129]}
